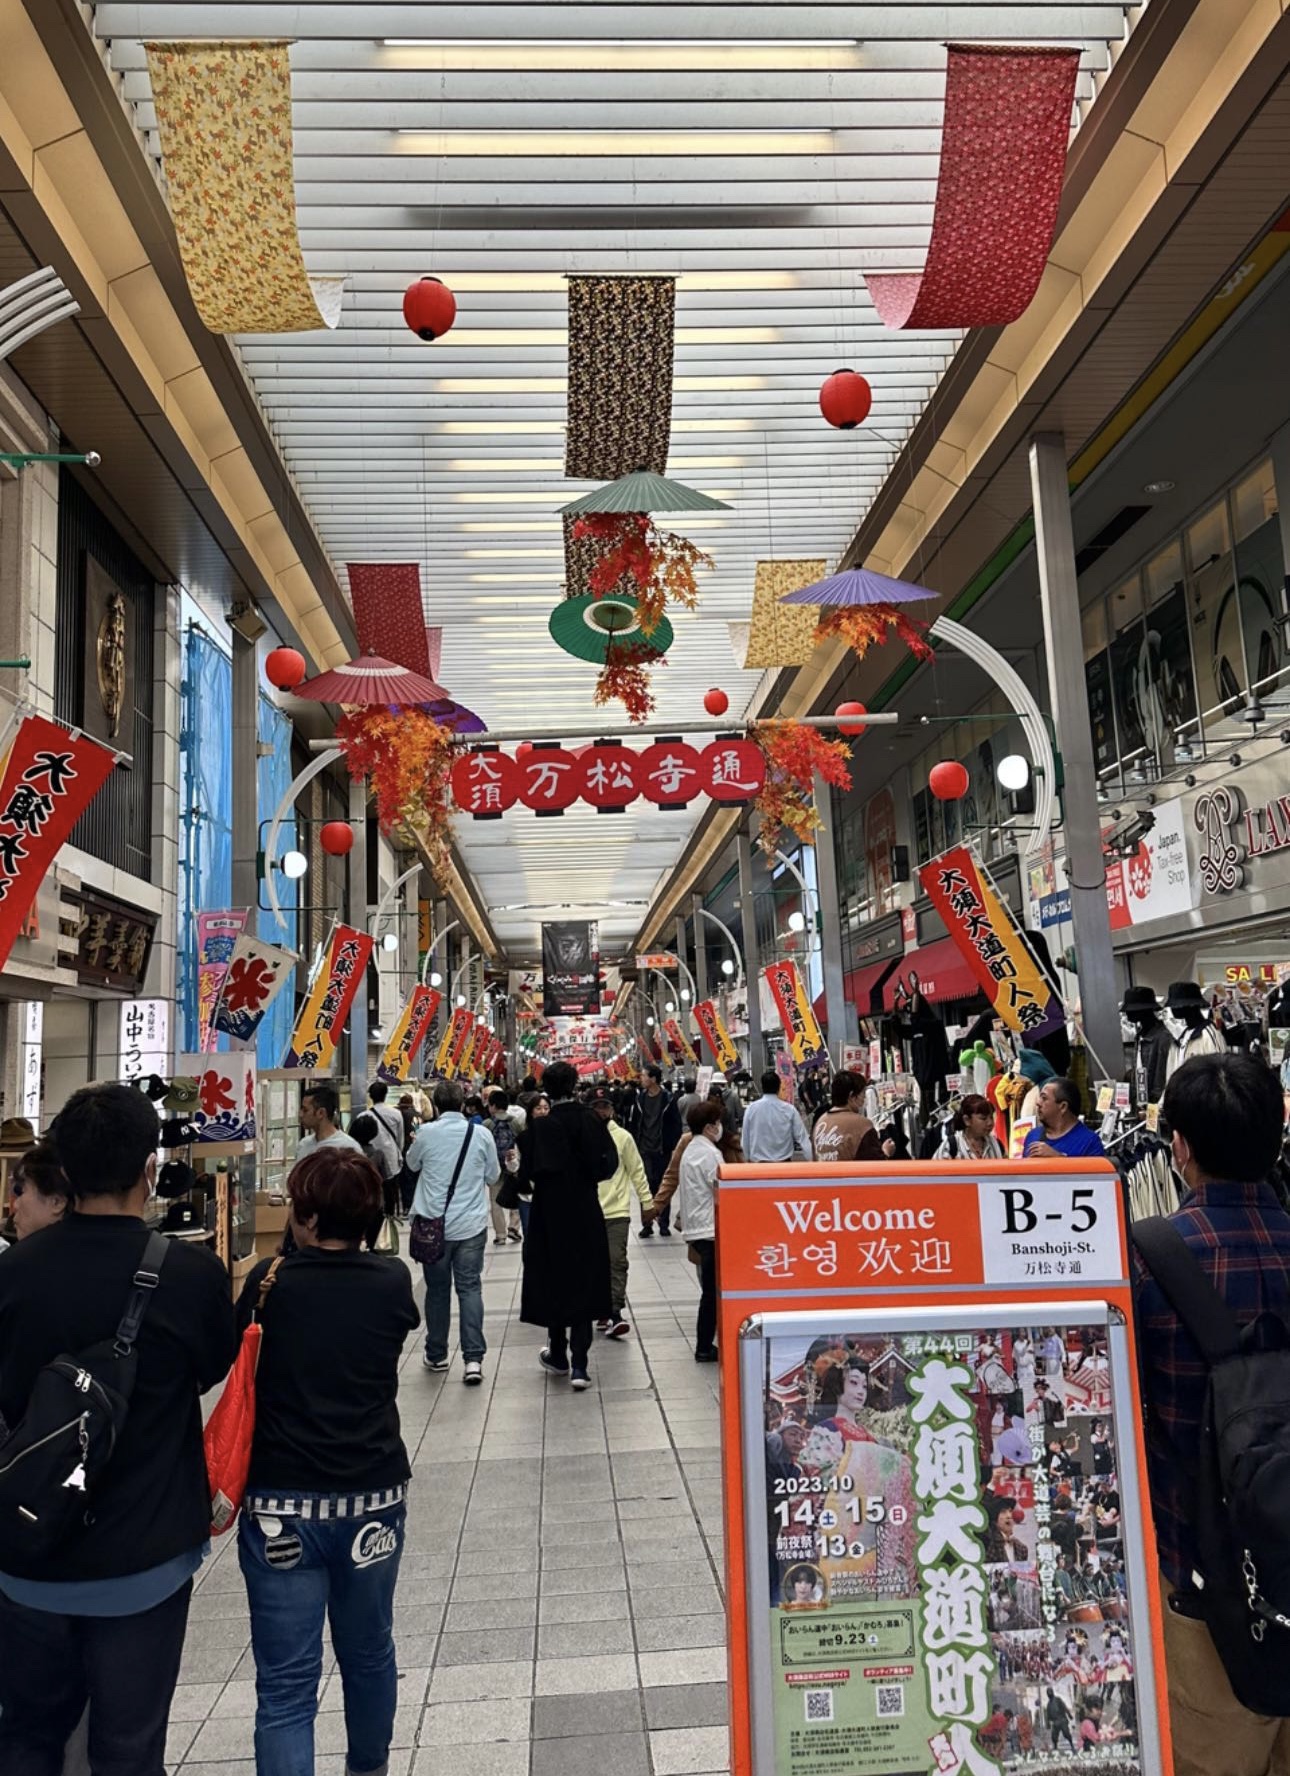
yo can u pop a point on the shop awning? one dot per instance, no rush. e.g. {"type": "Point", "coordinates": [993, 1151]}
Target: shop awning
{"type": "Point", "coordinates": [942, 974]}
{"type": "Point", "coordinates": [859, 985]}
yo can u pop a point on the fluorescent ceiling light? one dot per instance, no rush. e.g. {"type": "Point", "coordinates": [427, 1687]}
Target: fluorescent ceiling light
{"type": "Point", "coordinates": [489, 465]}
{"type": "Point", "coordinates": [621, 42]}
{"type": "Point", "coordinates": [541, 283]}
{"type": "Point", "coordinates": [507, 497]}
{"type": "Point", "coordinates": [520, 524]}
{"type": "Point", "coordinates": [513, 554]}
{"type": "Point", "coordinates": [608, 144]}
{"type": "Point", "coordinates": [475, 337]}
{"type": "Point", "coordinates": [499, 385]}
{"type": "Point", "coordinates": [546, 598]}
{"type": "Point", "coordinates": [489, 428]}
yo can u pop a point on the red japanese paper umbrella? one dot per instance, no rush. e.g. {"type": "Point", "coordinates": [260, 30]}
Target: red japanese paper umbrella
{"type": "Point", "coordinates": [371, 682]}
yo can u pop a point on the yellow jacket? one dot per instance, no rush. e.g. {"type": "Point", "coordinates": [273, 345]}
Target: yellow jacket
{"type": "Point", "coordinates": [615, 1192]}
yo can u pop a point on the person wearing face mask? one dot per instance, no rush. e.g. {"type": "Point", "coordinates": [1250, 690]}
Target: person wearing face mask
{"type": "Point", "coordinates": [1227, 1116]}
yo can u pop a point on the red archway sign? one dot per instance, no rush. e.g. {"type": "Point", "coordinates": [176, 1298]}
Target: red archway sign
{"type": "Point", "coordinates": [551, 779]}
{"type": "Point", "coordinates": [733, 770]}
{"type": "Point", "coordinates": [485, 784]}
{"type": "Point", "coordinates": [609, 777]}
{"type": "Point", "coordinates": [671, 773]}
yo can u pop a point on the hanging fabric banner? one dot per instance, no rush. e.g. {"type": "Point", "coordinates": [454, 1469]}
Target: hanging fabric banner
{"type": "Point", "coordinates": [680, 1042]}
{"type": "Point", "coordinates": [322, 1016]}
{"type": "Point", "coordinates": [472, 1059]}
{"type": "Point", "coordinates": [50, 777]}
{"type": "Point", "coordinates": [255, 975]}
{"type": "Point", "coordinates": [715, 1034]}
{"type": "Point", "coordinates": [455, 1033]}
{"type": "Point", "coordinates": [570, 968]}
{"type": "Point", "coordinates": [620, 376]}
{"type": "Point", "coordinates": [408, 1035]}
{"type": "Point", "coordinates": [217, 933]}
{"type": "Point", "coordinates": [805, 1042]}
{"type": "Point", "coordinates": [991, 942]}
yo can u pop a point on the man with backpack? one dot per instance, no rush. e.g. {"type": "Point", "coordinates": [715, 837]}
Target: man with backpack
{"type": "Point", "coordinates": [1213, 1297]}
{"type": "Point", "coordinates": [109, 1335]}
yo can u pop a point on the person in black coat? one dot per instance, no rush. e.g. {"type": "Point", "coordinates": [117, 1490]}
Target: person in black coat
{"type": "Point", "coordinates": [566, 1253]}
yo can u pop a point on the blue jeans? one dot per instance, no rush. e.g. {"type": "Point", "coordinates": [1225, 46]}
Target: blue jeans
{"type": "Point", "coordinates": [344, 1570]}
{"type": "Point", "coordinates": [462, 1264]}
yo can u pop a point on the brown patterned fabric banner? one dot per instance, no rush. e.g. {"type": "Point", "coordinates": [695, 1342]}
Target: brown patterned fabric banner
{"type": "Point", "coordinates": [782, 634]}
{"type": "Point", "coordinates": [620, 376]}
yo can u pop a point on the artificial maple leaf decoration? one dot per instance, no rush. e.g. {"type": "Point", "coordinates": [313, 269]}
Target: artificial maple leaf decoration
{"type": "Point", "coordinates": [793, 754]}
{"type": "Point", "coordinates": [660, 565]}
{"type": "Point", "coordinates": [625, 678]}
{"type": "Point", "coordinates": [407, 757]}
{"type": "Point", "coordinates": [862, 626]}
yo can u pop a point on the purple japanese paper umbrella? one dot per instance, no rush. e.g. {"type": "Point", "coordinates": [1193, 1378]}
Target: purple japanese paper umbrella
{"type": "Point", "coordinates": [858, 586]}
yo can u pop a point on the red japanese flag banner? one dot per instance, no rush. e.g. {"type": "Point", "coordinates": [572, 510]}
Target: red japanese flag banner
{"type": "Point", "coordinates": [50, 777]}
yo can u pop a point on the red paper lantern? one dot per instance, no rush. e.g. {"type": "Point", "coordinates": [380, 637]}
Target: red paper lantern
{"type": "Point", "coordinates": [550, 779]}
{"type": "Point", "coordinates": [734, 770]}
{"type": "Point", "coordinates": [850, 727]}
{"type": "Point", "coordinates": [285, 669]}
{"type": "Point", "coordinates": [845, 399]}
{"type": "Point", "coordinates": [485, 784]}
{"type": "Point", "coordinates": [337, 838]}
{"type": "Point", "coordinates": [429, 307]}
{"type": "Point", "coordinates": [670, 773]}
{"type": "Point", "coordinates": [716, 701]}
{"type": "Point", "coordinates": [608, 777]}
{"type": "Point", "coordinates": [948, 781]}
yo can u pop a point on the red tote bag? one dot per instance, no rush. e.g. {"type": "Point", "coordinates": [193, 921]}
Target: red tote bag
{"type": "Point", "coordinates": [230, 1429]}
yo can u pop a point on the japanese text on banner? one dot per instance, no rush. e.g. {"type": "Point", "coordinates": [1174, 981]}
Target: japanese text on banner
{"type": "Point", "coordinates": [323, 1014]}
{"type": "Point", "coordinates": [990, 941]}
{"type": "Point", "coordinates": [801, 1030]}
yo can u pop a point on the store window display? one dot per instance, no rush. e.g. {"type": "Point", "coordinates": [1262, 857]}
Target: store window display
{"type": "Point", "coordinates": [1151, 1042]}
{"type": "Point", "coordinates": [1191, 1028]}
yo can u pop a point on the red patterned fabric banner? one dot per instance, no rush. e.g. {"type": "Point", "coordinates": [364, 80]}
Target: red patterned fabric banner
{"type": "Point", "coordinates": [388, 614]}
{"type": "Point", "coordinates": [1003, 158]}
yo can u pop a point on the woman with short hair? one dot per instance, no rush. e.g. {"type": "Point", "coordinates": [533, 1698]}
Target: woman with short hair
{"type": "Point", "coordinates": [38, 1191]}
{"type": "Point", "coordinates": [697, 1206]}
{"type": "Point", "coordinates": [323, 1520]}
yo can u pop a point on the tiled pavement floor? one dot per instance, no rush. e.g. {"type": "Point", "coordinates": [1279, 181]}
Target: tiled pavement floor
{"type": "Point", "coordinates": [559, 1608]}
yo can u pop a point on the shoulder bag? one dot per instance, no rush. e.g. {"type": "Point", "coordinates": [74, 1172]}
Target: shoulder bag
{"type": "Point", "coordinates": [426, 1238]}
{"type": "Point", "coordinates": [230, 1429]}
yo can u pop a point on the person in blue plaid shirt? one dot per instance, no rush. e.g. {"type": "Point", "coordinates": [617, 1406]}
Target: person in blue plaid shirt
{"type": "Point", "coordinates": [1227, 1116]}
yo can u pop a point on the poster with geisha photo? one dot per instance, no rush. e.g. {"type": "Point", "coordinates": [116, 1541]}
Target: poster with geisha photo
{"type": "Point", "coordinates": [930, 1496]}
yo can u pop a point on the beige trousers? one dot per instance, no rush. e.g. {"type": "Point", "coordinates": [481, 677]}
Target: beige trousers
{"type": "Point", "coordinates": [1212, 1734]}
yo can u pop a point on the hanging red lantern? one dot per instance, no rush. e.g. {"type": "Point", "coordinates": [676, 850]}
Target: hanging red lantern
{"type": "Point", "coordinates": [716, 701]}
{"type": "Point", "coordinates": [734, 770]}
{"type": "Point", "coordinates": [429, 307]}
{"type": "Point", "coordinates": [337, 838]}
{"type": "Point", "coordinates": [285, 668]}
{"type": "Point", "coordinates": [671, 773]}
{"type": "Point", "coordinates": [550, 779]}
{"type": "Point", "coordinates": [609, 777]}
{"type": "Point", "coordinates": [845, 399]}
{"type": "Point", "coordinates": [485, 784]}
{"type": "Point", "coordinates": [850, 727]}
{"type": "Point", "coordinates": [948, 781]}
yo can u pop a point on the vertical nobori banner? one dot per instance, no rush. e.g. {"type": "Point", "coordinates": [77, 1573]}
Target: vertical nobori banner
{"type": "Point", "coordinates": [801, 1031]}
{"type": "Point", "coordinates": [323, 1014]}
{"type": "Point", "coordinates": [217, 933]}
{"type": "Point", "coordinates": [408, 1035]}
{"type": "Point", "coordinates": [716, 1035]}
{"type": "Point", "coordinates": [570, 968]}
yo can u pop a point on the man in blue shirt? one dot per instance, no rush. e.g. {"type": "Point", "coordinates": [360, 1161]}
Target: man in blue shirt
{"type": "Point", "coordinates": [1060, 1134]}
{"type": "Point", "coordinates": [443, 1150]}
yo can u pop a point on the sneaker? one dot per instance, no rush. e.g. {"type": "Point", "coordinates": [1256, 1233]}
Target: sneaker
{"type": "Point", "coordinates": [665, 1233]}
{"type": "Point", "coordinates": [514, 1234]}
{"type": "Point", "coordinates": [579, 1381]}
{"type": "Point", "coordinates": [617, 1328]}
{"type": "Point", "coordinates": [647, 1233]}
{"type": "Point", "coordinates": [603, 1325]}
{"type": "Point", "coordinates": [436, 1365]}
{"type": "Point", "coordinates": [709, 1355]}
{"type": "Point", "coordinates": [549, 1363]}
{"type": "Point", "coordinates": [500, 1242]}
{"type": "Point", "coordinates": [474, 1374]}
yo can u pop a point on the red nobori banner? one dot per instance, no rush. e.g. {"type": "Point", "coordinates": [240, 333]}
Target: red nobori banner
{"type": "Point", "coordinates": [990, 940]}
{"type": "Point", "coordinates": [679, 1041]}
{"type": "Point", "coordinates": [548, 778]}
{"type": "Point", "coordinates": [322, 1016]}
{"type": "Point", "coordinates": [796, 1014]}
{"type": "Point", "coordinates": [409, 1033]}
{"type": "Point", "coordinates": [50, 777]}
{"type": "Point", "coordinates": [716, 1035]}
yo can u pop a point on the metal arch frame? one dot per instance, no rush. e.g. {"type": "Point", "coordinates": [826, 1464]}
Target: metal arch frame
{"type": "Point", "coordinates": [1042, 758]}
{"type": "Point", "coordinates": [433, 945]}
{"type": "Point", "coordinates": [811, 896]}
{"type": "Point", "coordinates": [31, 304]}
{"type": "Point", "coordinates": [313, 769]}
{"type": "Point", "coordinates": [730, 939]}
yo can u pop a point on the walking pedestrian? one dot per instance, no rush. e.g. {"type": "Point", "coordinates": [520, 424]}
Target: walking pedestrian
{"type": "Point", "coordinates": [38, 1191]}
{"type": "Point", "coordinates": [697, 1204]}
{"type": "Point", "coordinates": [616, 1207]}
{"type": "Point", "coordinates": [456, 1164]}
{"type": "Point", "coordinates": [320, 1120]}
{"type": "Point", "coordinates": [566, 1255]}
{"type": "Point", "coordinates": [773, 1131]}
{"type": "Point", "coordinates": [102, 1618]}
{"type": "Point", "coordinates": [407, 1177]}
{"type": "Point", "coordinates": [323, 1520]}
{"type": "Point", "coordinates": [379, 1146]}
{"type": "Point", "coordinates": [845, 1133]}
{"type": "Point", "coordinates": [506, 1222]}
{"type": "Point", "coordinates": [392, 1122]}
{"type": "Point", "coordinates": [655, 1125]}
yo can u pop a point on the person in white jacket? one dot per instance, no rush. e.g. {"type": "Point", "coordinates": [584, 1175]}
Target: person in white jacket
{"type": "Point", "coordinates": [697, 1203]}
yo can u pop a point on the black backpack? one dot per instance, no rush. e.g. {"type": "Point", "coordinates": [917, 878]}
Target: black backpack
{"type": "Point", "coordinates": [51, 1460]}
{"type": "Point", "coordinates": [1238, 1478]}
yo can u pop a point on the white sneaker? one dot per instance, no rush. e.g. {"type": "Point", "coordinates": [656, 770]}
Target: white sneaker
{"type": "Point", "coordinates": [473, 1374]}
{"type": "Point", "coordinates": [435, 1367]}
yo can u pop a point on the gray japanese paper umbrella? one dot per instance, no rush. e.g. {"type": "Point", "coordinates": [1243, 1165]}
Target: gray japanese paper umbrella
{"type": "Point", "coordinates": [644, 491]}
{"type": "Point", "coordinates": [859, 586]}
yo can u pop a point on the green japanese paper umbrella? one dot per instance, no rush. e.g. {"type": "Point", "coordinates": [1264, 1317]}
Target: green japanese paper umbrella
{"type": "Point", "coordinates": [587, 627]}
{"type": "Point", "coordinates": [643, 491]}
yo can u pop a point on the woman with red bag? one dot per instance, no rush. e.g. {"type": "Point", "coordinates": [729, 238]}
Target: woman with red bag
{"type": "Point", "coordinates": [323, 1520]}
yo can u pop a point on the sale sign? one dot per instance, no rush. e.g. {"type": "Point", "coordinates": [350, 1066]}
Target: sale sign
{"type": "Point", "coordinates": [408, 1035]}
{"type": "Point", "coordinates": [990, 940]}
{"type": "Point", "coordinates": [795, 1013]}
{"type": "Point", "coordinates": [50, 777]}
{"type": "Point", "coordinates": [713, 1028]}
{"type": "Point", "coordinates": [323, 1014]}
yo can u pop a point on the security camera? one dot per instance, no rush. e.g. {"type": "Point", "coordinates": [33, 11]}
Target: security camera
{"type": "Point", "coordinates": [1127, 830]}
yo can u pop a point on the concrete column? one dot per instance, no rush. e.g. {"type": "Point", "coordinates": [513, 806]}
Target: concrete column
{"type": "Point", "coordinates": [700, 946]}
{"type": "Point", "coordinates": [246, 798]}
{"type": "Point", "coordinates": [357, 915]}
{"type": "Point", "coordinates": [1085, 864]}
{"type": "Point", "coordinates": [748, 932]}
{"type": "Point", "coordinates": [840, 1015]}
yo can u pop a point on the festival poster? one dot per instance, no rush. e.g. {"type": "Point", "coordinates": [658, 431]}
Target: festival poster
{"type": "Point", "coordinates": [948, 1588]}
{"type": "Point", "coordinates": [254, 976]}
{"type": "Point", "coordinates": [49, 777]}
{"type": "Point", "coordinates": [408, 1035]}
{"type": "Point", "coordinates": [713, 1028]}
{"type": "Point", "coordinates": [322, 1016]}
{"type": "Point", "coordinates": [570, 968]}
{"type": "Point", "coordinates": [802, 1032]}
{"type": "Point", "coordinates": [990, 940]}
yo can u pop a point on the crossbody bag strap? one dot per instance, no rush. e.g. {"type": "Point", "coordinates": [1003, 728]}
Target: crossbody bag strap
{"type": "Point", "coordinates": [1205, 1315]}
{"type": "Point", "coordinates": [456, 1170]}
{"type": "Point", "coordinates": [142, 1290]}
{"type": "Point", "coordinates": [269, 1278]}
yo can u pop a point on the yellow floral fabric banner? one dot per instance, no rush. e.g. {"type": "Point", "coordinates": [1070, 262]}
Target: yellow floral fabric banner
{"type": "Point", "coordinates": [782, 634]}
{"type": "Point", "coordinates": [224, 113]}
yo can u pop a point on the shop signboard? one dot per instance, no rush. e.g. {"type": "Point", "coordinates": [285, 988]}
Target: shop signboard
{"type": "Point", "coordinates": [33, 1054]}
{"type": "Point", "coordinates": [712, 1026]}
{"type": "Point", "coordinates": [144, 1045]}
{"type": "Point", "coordinates": [917, 1586]}
{"type": "Point", "coordinates": [796, 1015]}
{"type": "Point", "coordinates": [988, 937]}
{"type": "Point", "coordinates": [322, 1016]}
{"type": "Point", "coordinates": [113, 942]}
{"type": "Point", "coordinates": [1055, 909]}
{"type": "Point", "coordinates": [408, 1035]}
{"type": "Point", "coordinates": [1156, 882]}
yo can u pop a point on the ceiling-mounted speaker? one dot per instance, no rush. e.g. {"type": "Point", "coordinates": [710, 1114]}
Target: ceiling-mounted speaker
{"type": "Point", "coordinates": [247, 622]}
